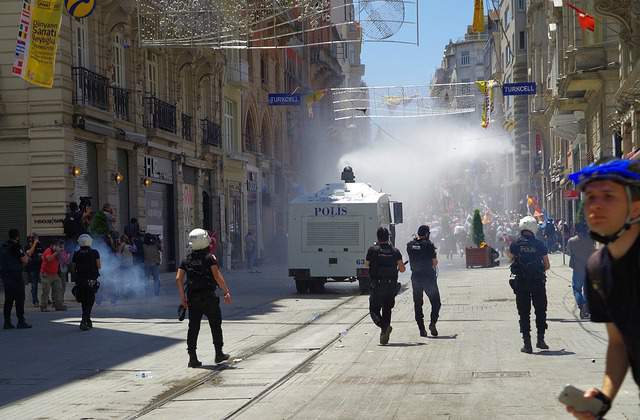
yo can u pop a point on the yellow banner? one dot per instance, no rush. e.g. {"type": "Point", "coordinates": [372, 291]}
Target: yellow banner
{"type": "Point", "coordinates": [41, 41]}
{"type": "Point", "coordinates": [478, 16]}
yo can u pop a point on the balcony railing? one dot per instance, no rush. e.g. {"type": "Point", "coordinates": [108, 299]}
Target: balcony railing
{"type": "Point", "coordinates": [211, 133]}
{"type": "Point", "coordinates": [90, 88]}
{"type": "Point", "coordinates": [120, 103]}
{"type": "Point", "coordinates": [159, 114]}
{"type": "Point", "coordinates": [186, 121]}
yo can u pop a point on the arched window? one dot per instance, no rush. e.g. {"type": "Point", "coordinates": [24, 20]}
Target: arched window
{"type": "Point", "coordinates": [119, 69]}
{"type": "Point", "coordinates": [266, 143]}
{"type": "Point", "coordinates": [249, 135]}
{"type": "Point", "coordinates": [80, 43]}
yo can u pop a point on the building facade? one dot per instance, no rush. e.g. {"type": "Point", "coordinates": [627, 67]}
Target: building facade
{"type": "Point", "coordinates": [177, 138]}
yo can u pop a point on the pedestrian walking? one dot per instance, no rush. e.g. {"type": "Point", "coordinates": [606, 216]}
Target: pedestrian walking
{"type": "Point", "coordinates": [198, 293]}
{"type": "Point", "coordinates": [384, 262]}
{"type": "Point", "coordinates": [34, 252]}
{"type": "Point", "coordinates": [152, 249]}
{"type": "Point", "coordinates": [12, 262]}
{"type": "Point", "coordinates": [530, 261]}
{"type": "Point", "coordinates": [251, 250]}
{"type": "Point", "coordinates": [132, 229]}
{"type": "Point", "coordinates": [612, 211]}
{"type": "Point", "coordinates": [580, 247]}
{"type": "Point", "coordinates": [424, 279]}
{"type": "Point", "coordinates": [85, 266]}
{"type": "Point", "coordinates": [51, 282]}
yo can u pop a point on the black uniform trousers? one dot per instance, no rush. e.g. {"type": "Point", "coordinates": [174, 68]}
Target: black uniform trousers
{"type": "Point", "coordinates": [382, 299]}
{"type": "Point", "coordinates": [208, 304]}
{"type": "Point", "coordinates": [14, 293]}
{"type": "Point", "coordinates": [86, 295]}
{"type": "Point", "coordinates": [425, 285]}
{"type": "Point", "coordinates": [530, 291]}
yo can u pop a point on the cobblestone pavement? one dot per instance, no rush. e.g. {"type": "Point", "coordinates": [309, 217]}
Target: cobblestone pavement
{"type": "Point", "coordinates": [309, 357]}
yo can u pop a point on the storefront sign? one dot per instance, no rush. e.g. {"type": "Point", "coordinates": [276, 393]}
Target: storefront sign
{"type": "Point", "coordinates": [284, 99]}
{"type": "Point", "coordinates": [48, 221]}
{"type": "Point", "coordinates": [188, 205]}
{"type": "Point", "coordinates": [158, 169]}
{"type": "Point", "coordinates": [80, 8]}
{"type": "Point", "coordinates": [515, 89]}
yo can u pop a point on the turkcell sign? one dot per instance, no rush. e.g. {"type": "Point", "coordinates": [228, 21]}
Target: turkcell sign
{"type": "Point", "coordinates": [330, 211]}
{"type": "Point", "coordinates": [514, 89]}
{"type": "Point", "coordinates": [284, 99]}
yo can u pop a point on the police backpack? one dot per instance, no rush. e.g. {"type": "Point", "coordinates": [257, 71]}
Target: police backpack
{"type": "Point", "coordinates": [384, 264]}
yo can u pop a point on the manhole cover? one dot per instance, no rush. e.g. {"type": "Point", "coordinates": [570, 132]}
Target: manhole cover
{"type": "Point", "coordinates": [501, 374]}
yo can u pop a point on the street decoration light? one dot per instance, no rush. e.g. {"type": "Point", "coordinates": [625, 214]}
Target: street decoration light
{"type": "Point", "coordinates": [269, 24]}
{"type": "Point", "coordinates": [414, 101]}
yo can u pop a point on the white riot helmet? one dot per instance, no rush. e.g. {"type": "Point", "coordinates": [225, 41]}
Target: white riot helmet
{"type": "Point", "coordinates": [199, 239]}
{"type": "Point", "coordinates": [529, 223]}
{"type": "Point", "coordinates": [85, 240]}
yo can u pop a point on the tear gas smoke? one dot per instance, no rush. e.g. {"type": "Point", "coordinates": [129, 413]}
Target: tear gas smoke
{"type": "Point", "coordinates": [117, 279]}
{"type": "Point", "coordinates": [427, 159]}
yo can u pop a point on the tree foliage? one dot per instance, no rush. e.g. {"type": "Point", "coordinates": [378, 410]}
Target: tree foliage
{"type": "Point", "coordinates": [478, 230]}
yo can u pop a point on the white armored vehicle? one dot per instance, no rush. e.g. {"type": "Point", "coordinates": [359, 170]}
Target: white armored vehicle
{"type": "Point", "coordinates": [331, 230]}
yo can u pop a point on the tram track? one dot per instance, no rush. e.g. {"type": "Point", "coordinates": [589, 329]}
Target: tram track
{"type": "Point", "coordinates": [183, 389]}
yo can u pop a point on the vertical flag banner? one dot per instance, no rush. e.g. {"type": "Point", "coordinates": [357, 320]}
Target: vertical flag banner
{"type": "Point", "coordinates": [478, 16]}
{"type": "Point", "coordinates": [586, 21]}
{"type": "Point", "coordinates": [38, 29]}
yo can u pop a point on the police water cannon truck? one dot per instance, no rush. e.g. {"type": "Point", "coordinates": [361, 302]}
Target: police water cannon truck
{"type": "Point", "coordinates": [330, 231]}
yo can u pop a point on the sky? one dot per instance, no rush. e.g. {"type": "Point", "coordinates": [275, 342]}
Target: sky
{"type": "Point", "coordinates": [396, 64]}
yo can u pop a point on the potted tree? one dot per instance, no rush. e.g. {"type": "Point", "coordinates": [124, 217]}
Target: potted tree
{"type": "Point", "coordinates": [477, 256]}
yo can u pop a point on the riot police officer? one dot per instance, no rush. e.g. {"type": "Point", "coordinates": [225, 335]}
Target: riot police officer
{"type": "Point", "coordinates": [384, 262]}
{"type": "Point", "coordinates": [198, 294]}
{"type": "Point", "coordinates": [529, 263]}
{"type": "Point", "coordinates": [423, 260]}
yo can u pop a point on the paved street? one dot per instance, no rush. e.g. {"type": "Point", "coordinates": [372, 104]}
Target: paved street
{"type": "Point", "coordinates": [314, 356]}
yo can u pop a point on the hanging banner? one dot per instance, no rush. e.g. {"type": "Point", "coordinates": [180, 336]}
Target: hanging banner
{"type": "Point", "coordinates": [486, 88]}
{"type": "Point", "coordinates": [38, 29]}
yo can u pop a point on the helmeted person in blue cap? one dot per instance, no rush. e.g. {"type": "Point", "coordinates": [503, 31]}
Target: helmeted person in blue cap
{"type": "Point", "coordinates": [611, 194]}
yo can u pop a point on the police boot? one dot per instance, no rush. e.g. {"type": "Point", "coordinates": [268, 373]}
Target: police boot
{"type": "Point", "coordinates": [423, 330]}
{"type": "Point", "coordinates": [23, 325]}
{"type": "Point", "coordinates": [432, 329]}
{"type": "Point", "coordinates": [540, 343]}
{"type": "Point", "coordinates": [526, 348]}
{"type": "Point", "coordinates": [220, 355]}
{"type": "Point", "coordinates": [193, 360]}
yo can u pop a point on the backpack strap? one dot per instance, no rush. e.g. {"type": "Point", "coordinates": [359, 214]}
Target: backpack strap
{"type": "Point", "coordinates": [599, 269]}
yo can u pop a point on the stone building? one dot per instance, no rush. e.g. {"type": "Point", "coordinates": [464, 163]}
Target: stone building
{"type": "Point", "coordinates": [178, 138]}
{"type": "Point", "coordinates": [577, 74]}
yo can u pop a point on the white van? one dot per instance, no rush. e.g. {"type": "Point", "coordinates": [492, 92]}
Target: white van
{"type": "Point", "coordinates": [331, 230]}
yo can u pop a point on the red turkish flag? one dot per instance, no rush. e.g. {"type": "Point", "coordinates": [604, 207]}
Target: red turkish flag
{"type": "Point", "coordinates": [586, 21]}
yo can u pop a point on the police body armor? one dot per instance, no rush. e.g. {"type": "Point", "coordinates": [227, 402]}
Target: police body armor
{"type": "Point", "coordinates": [421, 262]}
{"type": "Point", "coordinates": [199, 277]}
{"type": "Point", "coordinates": [384, 266]}
{"type": "Point", "coordinates": [527, 265]}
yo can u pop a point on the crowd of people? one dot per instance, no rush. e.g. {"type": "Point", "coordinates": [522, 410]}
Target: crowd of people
{"type": "Point", "coordinates": [130, 262]}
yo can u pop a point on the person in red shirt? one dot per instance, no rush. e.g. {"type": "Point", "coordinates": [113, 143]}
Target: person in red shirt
{"type": "Point", "coordinates": [49, 277]}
